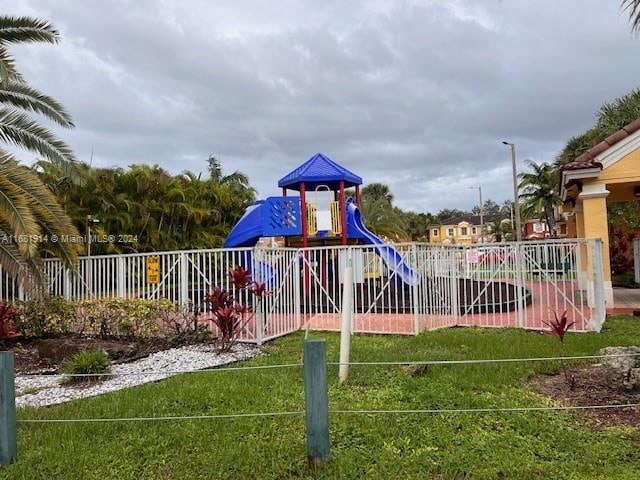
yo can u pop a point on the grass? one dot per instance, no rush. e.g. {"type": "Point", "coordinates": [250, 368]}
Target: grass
{"type": "Point", "coordinates": [550, 445]}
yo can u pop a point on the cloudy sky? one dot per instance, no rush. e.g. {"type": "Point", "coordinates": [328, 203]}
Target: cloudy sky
{"type": "Point", "coordinates": [417, 94]}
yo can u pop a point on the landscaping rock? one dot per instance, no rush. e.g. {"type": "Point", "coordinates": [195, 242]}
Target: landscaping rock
{"type": "Point", "coordinates": [623, 373]}
{"type": "Point", "coordinates": [42, 390]}
{"type": "Point", "coordinates": [58, 349]}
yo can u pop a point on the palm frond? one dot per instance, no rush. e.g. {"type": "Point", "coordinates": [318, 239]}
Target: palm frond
{"type": "Point", "coordinates": [28, 98]}
{"type": "Point", "coordinates": [44, 205]}
{"type": "Point", "coordinates": [26, 29]}
{"type": "Point", "coordinates": [15, 211]}
{"type": "Point", "coordinates": [632, 7]}
{"type": "Point", "coordinates": [26, 271]}
{"type": "Point", "coordinates": [8, 70]}
{"type": "Point", "coordinates": [20, 130]}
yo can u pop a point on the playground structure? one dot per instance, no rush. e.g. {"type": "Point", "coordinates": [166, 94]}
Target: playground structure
{"type": "Point", "coordinates": [400, 289]}
{"type": "Point", "coordinates": [302, 223]}
{"type": "Point", "coordinates": [394, 285]}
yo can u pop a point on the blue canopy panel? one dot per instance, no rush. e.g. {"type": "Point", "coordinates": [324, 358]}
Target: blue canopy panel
{"type": "Point", "coordinates": [319, 170]}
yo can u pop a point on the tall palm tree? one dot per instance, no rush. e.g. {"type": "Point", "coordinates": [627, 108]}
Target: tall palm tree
{"type": "Point", "coordinates": [377, 191]}
{"type": "Point", "coordinates": [539, 192]}
{"type": "Point", "coordinates": [28, 210]}
{"type": "Point", "coordinates": [18, 99]}
{"type": "Point", "coordinates": [382, 219]}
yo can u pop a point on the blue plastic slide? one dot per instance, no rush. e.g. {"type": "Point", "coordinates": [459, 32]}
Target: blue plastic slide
{"type": "Point", "coordinates": [390, 256]}
{"type": "Point", "coordinates": [278, 216]}
{"type": "Point", "coordinates": [248, 230]}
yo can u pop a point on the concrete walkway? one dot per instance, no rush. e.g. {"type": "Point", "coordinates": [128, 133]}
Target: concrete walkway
{"type": "Point", "coordinates": [625, 300]}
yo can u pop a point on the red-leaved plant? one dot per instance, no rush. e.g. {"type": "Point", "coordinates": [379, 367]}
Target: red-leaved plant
{"type": "Point", "coordinates": [558, 327]}
{"type": "Point", "coordinates": [230, 314]}
{"type": "Point", "coordinates": [7, 329]}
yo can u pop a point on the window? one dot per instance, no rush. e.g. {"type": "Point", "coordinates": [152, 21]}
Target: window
{"type": "Point", "coordinates": [435, 232]}
{"type": "Point", "coordinates": [463, 231]}
{"type": "Point", "coordinates": [474, 230]}
{"type": "Point", "coordinates": [450, 232]}
{"type": "Point", "coordinates": [538, 227]}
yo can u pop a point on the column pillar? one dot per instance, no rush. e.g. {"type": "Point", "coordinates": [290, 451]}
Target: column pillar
{"type": "Point", "coordinates": [582, 248]}
{"type": "Point", "coordinates": [594, 218]}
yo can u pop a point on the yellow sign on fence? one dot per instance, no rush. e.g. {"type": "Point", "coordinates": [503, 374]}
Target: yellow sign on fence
{"type": "Point", "coordinates": [153, 270]}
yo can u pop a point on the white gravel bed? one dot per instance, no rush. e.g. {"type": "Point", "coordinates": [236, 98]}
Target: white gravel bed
{"type": "Point", "coordinates": [40, 391]}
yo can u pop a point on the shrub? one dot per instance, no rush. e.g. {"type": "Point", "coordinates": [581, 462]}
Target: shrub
{"type": "Point", "coordinates": [230, 314]}
{"type": "Point", "coordinates": [559, 327]}
{"type": "Point", "coordinates": [87, 362]}
{"type": "Point", "coordinates": [112, 317]}
{"type": "Point", "coordinates": [185, 327]}
{"type": "Point", "coordinates": [51, 316]}
{"type": "Point", "coordinates": [7, 328]}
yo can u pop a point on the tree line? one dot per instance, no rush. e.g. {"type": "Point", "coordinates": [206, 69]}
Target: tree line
{"type": "Point", "coordinates": [145, 208]}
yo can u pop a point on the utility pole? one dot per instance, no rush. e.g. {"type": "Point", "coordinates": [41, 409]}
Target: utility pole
{"type": "Point", "coordinates": [479, 188]}
{"type": "Point", "coordinates": [516, 199]}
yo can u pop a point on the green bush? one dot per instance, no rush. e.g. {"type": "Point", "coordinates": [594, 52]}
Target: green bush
{"type": "Point", "coordinates": [86, 363]}
{"type": "Point", "coordinates": [625, 280]}
{"type": "Point", "coordinates": [112, 317]}
{"type": "Point", "coordinates": [47, 317]}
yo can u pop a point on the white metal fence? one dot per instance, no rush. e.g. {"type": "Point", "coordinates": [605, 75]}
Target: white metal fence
{"type": "Point", "coordinates": [412, 288]}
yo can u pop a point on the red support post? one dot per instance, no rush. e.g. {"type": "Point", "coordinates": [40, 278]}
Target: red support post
{"type": "Point", "coordinates": [305, 239]}
{"type": "Point", "coordinates": [343, 213]}
{"type": "Point", "coordinates": [358, 195]}
{"type": "Point", "coordinates": [284, 191]}
{"type": "Point", "coordinates": [303, 215]}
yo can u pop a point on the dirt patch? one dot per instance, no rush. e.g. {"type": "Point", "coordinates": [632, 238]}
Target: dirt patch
{"type": "Point", "coordinates": [46, 355]}
{"type": "Point", "coordinates": [591, 388]}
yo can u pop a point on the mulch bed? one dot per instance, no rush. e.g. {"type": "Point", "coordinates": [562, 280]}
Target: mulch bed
{"type": "Point", "coordinates": [591, 388]}
{"type": "Point", "coordinates": [29, 358]}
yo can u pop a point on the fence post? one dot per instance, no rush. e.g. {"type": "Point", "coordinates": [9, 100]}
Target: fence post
{"type": "Point", "coordinates": [415, 289]}
{"type": "Point", "coordinates": [598, 284]}
{"type": "Point", "coordinates": [636, 259]}
{"type": "Point", "coordinates": [454, 275]}
{"type": "Point", "coordinates": [261, 312]}
{"type": "Point", "coordinates": [184, 279]}
{"type": "Point", "coordinates": [8, 442]}
{"type": "Point", "coordinates": [347, 310]}
{"type": "Point", "coordinates": [66, 289]}
{"type": "Point", "coordinates": [316, 401]}
{"type": "Point", "coordinates": [520, 289]}
{"type": "Point", "coordinates": [120, 277]}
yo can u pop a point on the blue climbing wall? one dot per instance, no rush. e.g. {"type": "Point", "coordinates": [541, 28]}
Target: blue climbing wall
{"type": "Point", "coordinates": [281, 216]}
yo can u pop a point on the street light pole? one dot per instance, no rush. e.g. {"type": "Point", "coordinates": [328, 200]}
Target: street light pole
{"type": "Point", "coordinates": [516, 199]}
{"type": "Point", "coordinates": [479, 188]}
{"type": "Point", "coordinates": [90, 220]}
{"type": "Point", "coordinates": [88, 231]}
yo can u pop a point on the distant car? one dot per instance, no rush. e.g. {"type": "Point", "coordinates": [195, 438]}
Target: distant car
{"type": "Point", "coordinates": [489, 254]}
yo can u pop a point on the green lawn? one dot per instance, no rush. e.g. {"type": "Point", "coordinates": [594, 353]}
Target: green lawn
{"type": "Point", "coordinates": [548, 445]}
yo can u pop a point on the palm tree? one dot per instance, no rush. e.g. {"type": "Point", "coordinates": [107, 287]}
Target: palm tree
{"type": "Point", "coordinates": [539, 192]}
{"type": "Point", "coordinates": [382, 219]}
{"type": "Point", "coordinates": [28, 210]}
{"type": "Point", "coordinates": [377, 191]}
{"type": "Point", "coordinates": [500, 229]}
{"type": "Point", "coordinates": [18, 99]}
{"type": "Point", "coordinates": [633, 7]}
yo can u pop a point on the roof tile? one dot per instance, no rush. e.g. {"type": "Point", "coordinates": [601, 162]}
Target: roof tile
{"type": "Point", "coordinates": [585, 160]}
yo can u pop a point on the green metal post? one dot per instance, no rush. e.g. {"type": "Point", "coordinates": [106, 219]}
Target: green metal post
{"type": "Point", "coordinates": [316, 401]}
{"type": "Point", "coordinates": [8, 442]}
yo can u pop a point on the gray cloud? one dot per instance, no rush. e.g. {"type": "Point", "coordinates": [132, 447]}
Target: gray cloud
{"type": "Point", "coordinates": [417, 94]}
